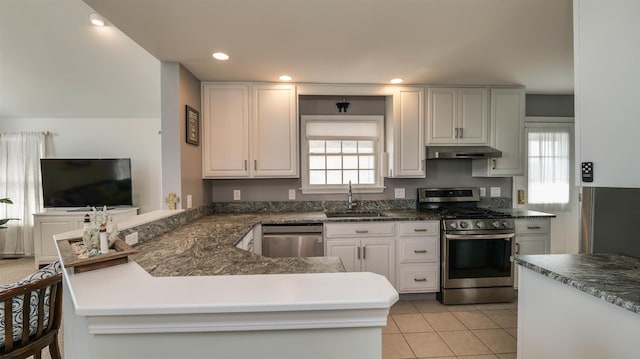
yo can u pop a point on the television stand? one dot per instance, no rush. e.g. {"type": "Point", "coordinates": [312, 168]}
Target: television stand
{"type": "Point", "coordinates": [51, 222]}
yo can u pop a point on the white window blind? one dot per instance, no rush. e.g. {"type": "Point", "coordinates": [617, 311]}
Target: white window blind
{"type": "Point", "coordinates": [549, 166]}
{"type": "Point", "coordinates": [337, 150]}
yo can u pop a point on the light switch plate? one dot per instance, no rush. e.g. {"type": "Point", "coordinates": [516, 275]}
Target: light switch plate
{"type": "Point", "coordinates": [236, 194]}
{"type": "Point", "coordinates": [399, 193]}
{"type": "Point", "coordinates": [483, 192]}
{"type": "Point", "coordinates": [292, 194]}
{"type": "Point", "coordinates": [496, 191]}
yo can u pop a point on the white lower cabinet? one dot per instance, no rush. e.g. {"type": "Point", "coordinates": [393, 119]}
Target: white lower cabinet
{"type": "Point", "coordinates": [406, 253]}
{"type": "Point", "coordinates": [47, 224]}
{"type": "Point", "coordinates": [418, 257]}
{"type": "Point", "coordinates": [533, 236]}
{"type": "Point", "coordinates": [363, 246]}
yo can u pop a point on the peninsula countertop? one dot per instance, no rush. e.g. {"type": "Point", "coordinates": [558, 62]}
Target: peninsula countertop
{"type": "Point", "coordinates": [207, 245]}
{"type": "Point", "coordinates": [612, 277]}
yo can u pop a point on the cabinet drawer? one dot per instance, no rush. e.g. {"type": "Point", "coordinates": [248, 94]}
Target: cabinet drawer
{"type": "Point", "coordinates": [419, 228]}
{"type": "Point", "coordinates": [542, 226]}
{"type": "Point", "coordinates": [359, 229]}
{"type": "Point", "coordinates": [418, 278]}
{"type": "Point", "coordinates": [415, 250]}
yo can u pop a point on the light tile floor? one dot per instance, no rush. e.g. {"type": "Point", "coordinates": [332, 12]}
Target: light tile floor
{"type": "Point", "coordinates": [429, 329]}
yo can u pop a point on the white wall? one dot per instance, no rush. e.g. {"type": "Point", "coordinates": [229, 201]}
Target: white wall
{"type": "Point", "coordinates": [170, 90]}
{"type": "Point", "coordinates": [137, 139]}
{"type": "Point", "coordinates": [606, 89]}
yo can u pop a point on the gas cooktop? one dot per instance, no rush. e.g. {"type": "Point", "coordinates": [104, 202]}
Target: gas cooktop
{"type": "Point", "coordinates": [455, 203]}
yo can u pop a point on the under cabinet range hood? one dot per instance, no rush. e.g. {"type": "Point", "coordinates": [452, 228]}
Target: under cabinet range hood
{"type": "Point", "coordinates": [447, 152]}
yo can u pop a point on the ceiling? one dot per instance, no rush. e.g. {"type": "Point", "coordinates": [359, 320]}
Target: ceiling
{"type": "Point", "coordinates": [461, 42]}
{"type": "Point", "coordinates": [54, 64]}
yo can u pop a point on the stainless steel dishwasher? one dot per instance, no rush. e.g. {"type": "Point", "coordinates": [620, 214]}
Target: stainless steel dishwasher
{"type": "Point", "coordinates": [299, 240]}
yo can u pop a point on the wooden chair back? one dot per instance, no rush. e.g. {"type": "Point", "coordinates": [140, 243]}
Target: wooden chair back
{"type": "Point", "coordinates": [49, 294]}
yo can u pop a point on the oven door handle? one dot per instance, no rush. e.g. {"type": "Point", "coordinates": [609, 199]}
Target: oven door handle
{"type": "Point", "coordinates": [505, 236]}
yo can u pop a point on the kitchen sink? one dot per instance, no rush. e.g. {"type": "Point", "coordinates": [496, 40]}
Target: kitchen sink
{"type": "Point", "coordinates": [354, 214]}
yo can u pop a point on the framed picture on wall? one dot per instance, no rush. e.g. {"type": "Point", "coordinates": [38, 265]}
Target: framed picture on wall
{"type": "Point", "coordinates": [193, 126]}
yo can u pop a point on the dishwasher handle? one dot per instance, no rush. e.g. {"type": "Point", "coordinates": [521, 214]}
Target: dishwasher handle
{"type": "Point", "coordinates": [304, 228]}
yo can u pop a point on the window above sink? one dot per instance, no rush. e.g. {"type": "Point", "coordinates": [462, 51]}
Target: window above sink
{"type": "Point", "coordinates": [340, 149]}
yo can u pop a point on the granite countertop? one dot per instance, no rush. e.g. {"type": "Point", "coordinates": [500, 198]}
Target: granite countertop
{"type": "Point", "coordinates": [207, 246]}
{"type": "Point", "coordinates": [525, 213]}
{"type": "Point", "coordinates": [612, 277]}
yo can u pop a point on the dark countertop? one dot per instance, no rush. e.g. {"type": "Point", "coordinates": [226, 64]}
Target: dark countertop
{"type": "Point", "coordinates": [525, 213]}
{"type": "Point", "coordinates": [207, 245]}
{"type": "Point", "coordinates": [612, 277]}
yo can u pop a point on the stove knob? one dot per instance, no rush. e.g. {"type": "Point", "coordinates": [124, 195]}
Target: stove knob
{"type": "Point", "coordinates": [480, 224]}
{"type": "Point", "coordinates": [496, 224]}
{"type": "Point", "coordinates": [464, 225]}
{"type": "Point", "coordinates": [453, 225]}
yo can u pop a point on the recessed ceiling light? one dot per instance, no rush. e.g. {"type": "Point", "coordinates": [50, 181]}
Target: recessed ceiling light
{"type": "Point", "coordinates": [97, 20]}
{"type": "Point", "coordinates": [396, 81]}
{"type": "Point", "coordinates": [220, 56]}
{"type": "Point", "coordinates": [285, 78]}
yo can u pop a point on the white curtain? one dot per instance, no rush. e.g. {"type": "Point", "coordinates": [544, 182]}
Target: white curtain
{"type": "Point", "coordinates": [549, 167]}
{"type": "Point", "coordinates": [20, 181]}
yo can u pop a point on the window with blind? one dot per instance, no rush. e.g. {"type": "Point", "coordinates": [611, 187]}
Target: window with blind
{"type": "Point", "coordinates": [549, 165]}
{"type": "Point", "coordinates": [337, 150]}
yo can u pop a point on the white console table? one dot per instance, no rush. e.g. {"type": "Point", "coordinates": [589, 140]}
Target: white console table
{"type": "Point", "coordinates": [51, 222]}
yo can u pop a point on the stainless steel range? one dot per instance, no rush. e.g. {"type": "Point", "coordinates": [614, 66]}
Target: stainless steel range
{"type": "Point", "coordinates": [477, 245]}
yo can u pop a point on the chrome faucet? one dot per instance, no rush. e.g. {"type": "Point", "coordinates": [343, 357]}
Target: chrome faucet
{"type": "Point", "coordinates": [350, 202]}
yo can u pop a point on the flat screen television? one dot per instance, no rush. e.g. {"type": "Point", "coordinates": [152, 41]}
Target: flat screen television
{"type": "Point", "coordinates": [86, 182]}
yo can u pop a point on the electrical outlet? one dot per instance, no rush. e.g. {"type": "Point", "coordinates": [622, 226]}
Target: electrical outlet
{"type": "Point", "coordinates": [292, 194]}
{"type": "Point", "coordinates": [131, 239]}
{"type": "Point", "coordinates": [496, 191]}
{"type": "Point", "coordinates": [483, 192]}
{"type": "Point", "coordinates": [189, 201]}
{"type": "Point", "coordinates": [399, 193]}
{"type": "Point", "coordinates": [236, 194]}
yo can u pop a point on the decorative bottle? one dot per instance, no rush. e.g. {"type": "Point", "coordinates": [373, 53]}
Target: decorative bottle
{"type": "Point", "coordinates": [104, 242]}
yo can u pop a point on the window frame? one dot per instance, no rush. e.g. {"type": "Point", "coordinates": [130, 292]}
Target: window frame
{"type": "Point", "coordinates": [377, 187]}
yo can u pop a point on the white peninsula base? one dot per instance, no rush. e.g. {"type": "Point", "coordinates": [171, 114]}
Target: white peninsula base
{"type": "Point", "coordinates": [556, 320]}
{"type": "Point", "coordinates": [123, 312]}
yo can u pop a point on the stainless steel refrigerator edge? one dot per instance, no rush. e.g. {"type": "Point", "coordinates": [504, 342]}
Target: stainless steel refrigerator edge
{"type": "Point", "coordinates": [609, 221]}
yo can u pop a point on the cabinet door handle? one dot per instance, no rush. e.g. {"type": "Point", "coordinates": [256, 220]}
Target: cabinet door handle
{"type": "Point", "coordinates": [533, 227]}
{"type": "Point", "coordinates": [517, 248]}
{"type": "Point", "coordinates": [461, 132]}
{"type": "Point", "coordinates": [419, 229]}
{"type": "Point", "coordinates": [255, 165]}
{"type": "Point", "coordinates": [420, 251]}
{"type": "Point", "coordinates": [419, 279]}
{"type": "Point", "coordinates": [494, 164]}
{"type": "Point", "coordinates": [422, 165]}
{"type": "Point", "coordinates": [358, 252]}
{"type": "Point", "coordinates": [245, 165]}
{"type": "Point", "coordinates": [364, 252]}
{"type": "Point", "coordinates": [361, 231]}
{"type": "Point", "coordinates": [456, 132]}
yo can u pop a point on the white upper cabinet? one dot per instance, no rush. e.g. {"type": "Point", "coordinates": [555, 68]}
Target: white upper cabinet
{"type": "Point", "coordinates": [249, 131]}
{"type": "Point", "coordinates": [405, 133]}
{"type": "Point", "coordinates": [507, 135]}
{"type": "Point", "coordinates": [274, 135]}
{"type": "Point", "coordinates": [457, 116]}
{"type": "Point", "coordinates": [225, 130]}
